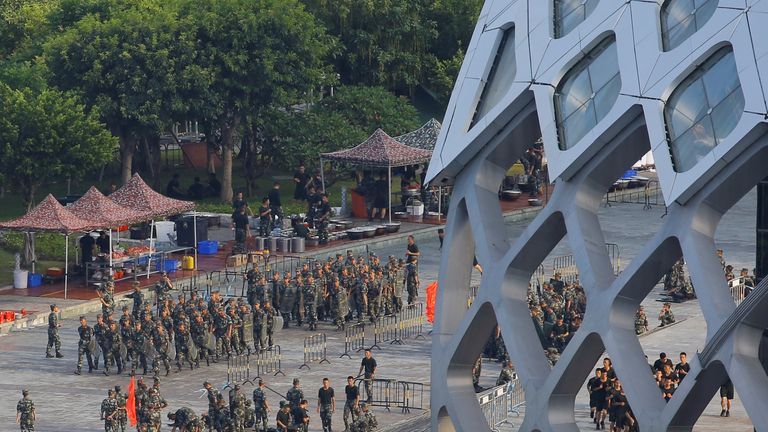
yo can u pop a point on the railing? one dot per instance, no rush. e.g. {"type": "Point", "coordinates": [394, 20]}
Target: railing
{"type": "Point", "coordinates": [739, 289]}
{"type": "Point", "coordinates": [413, 396]}
{"type": "Point", "coordinates": [384, 393]}
{"type": "Point", "coordinates": [566, 264]}
{"type": "Point", "coordinates": [269, 361]}
{"type": "Point", "coordinates": [386, 329]}
{"type": "Point", "coordinates": [650, 195]}
{"type": "Point", "coordinates": [238, 369]}
{"type": "Point", "coordinates": [499, 402]}
{"type": "Point", "coordinates": [315, 350]}
{"type": "Point", "coordinates": [411, 321]}
{"type": "Point", "coordinates": [354, 339]}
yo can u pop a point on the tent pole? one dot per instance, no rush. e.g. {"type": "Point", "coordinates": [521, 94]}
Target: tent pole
{"type": "Point", "coordinates": [151, 246]}
{"type": "Point", "coordinates": [194, 219]}
{"type": "Point", "coordinates": [111, 264]}
{"type": "Point", "coordinates": [389, 195]}
{"type": "Point", "coordinates": [66, 264]}
{"type": "Point", "coordinates": [322, 173]}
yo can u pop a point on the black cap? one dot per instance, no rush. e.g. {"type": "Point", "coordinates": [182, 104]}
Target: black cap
{"type": "Point", "coordinates": [117, 388]}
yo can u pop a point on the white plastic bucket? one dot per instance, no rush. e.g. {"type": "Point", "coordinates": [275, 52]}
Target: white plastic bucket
{"type": "Point", "coordinates": [20, 279]}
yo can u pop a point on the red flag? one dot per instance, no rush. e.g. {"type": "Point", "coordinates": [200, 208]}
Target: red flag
{"type": "Point", "coordinates": [130, 403]}
{"type": "Point", "coordinates": [431, 299]}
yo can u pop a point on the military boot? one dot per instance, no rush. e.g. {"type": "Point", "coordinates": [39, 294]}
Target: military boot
{"type": "Point", "coordinates": [78, 371]}
{"type": "Point", "coordinates": [59, 355]}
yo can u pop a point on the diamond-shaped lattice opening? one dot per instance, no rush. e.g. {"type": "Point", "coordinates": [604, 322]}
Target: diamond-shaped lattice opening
{"type": "Point", "coordinates": [735, 240]}
{"type": "Point", "coordinates": [475, 368]}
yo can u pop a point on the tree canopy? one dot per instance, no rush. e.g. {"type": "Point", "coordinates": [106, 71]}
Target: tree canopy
{"type": "Point", "coordinates": [47, 136]}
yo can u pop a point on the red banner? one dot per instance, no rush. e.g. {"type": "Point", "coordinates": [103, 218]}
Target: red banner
{"type": "Point", "coordinates": [431, 299]}
{"type": "Point", "coordinates": [130, 403]}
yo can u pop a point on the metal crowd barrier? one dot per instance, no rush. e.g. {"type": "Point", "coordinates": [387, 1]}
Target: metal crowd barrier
{"type": "Point", "coordinates": [411, 321]}
{"type": "Point", "coordinates": [384, 393]}
{"type": "Point", "coordinates": [499, 402]}
{"type": "Point", "coordinates": [413, 396]}
{"type": "Point", "coordinates": [354, 339]}
{"type": "Point", "coordinates": [738, 289]}
{"type": "Point", "coordinates": [238, 369]}
{"type": "Point", "coordinates": [315, 350]}
{"type": "Point", "coordinates": [386, 329]}
{"type": "Point", "coordinates": [566, 264]}
{"type": "Point", "coordinates": [269, 361]}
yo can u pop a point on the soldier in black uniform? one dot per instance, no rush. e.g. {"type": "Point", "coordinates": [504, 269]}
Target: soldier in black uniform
{"type": "Point", "coordinates": [85, 345]}
{"type": "Point", "coordinates": [53, 333]}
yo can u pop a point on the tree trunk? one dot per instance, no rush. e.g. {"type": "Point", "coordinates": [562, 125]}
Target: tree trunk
{"type": "Point", "coordinates": [127, 149]}
{"type": "Point", "coordinates": [148, 156]}
{"type": "Point", "coordinates": [227, 150]}
{"type": "Point", "coordinates": [211, 153]}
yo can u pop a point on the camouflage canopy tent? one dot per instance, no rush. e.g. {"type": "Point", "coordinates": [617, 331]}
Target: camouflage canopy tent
{"type": "Point", "coordinates": [379, 151]}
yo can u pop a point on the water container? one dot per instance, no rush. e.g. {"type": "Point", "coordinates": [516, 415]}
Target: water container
{"type": "Point", "coordinates": [20, 279]}
{"type": "Point", "coordinates": [34, 280]}
{"type": "Point", "coordinates": [188, 263]}
{"type": "Point", "coordinates": [259, 243]}
{"type": "Point", "coordinates": [297, 244]}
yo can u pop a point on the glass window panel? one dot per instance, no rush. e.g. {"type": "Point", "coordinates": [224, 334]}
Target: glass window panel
{"type": "Point", "coordinates": [500, 77]}
{"type": "Point", "coordinates": [604, 67]}
{"type": "Point", "coordinates": [693, 145]}
{"type": "Point", "coordinates": [726, 116]}
{"type": "Point", "coordinates": [606, 97]}
{"type": "Point", "coordinates": [570, 13]}
{"type": "Point", "coordinates": [685, 108]}
{"type": "Point", "coordinates": [578, 124]}
{"type": "Point", "coordinates": [680, 32]}
{"type": "Point", "coordinates": [575, 93]}
{"type": "Point", "coordinates": [566, 7]}
{"type": "Point", "coordinates": [681, 18]}
{"type": "Point", "coordinates": [720, 78]}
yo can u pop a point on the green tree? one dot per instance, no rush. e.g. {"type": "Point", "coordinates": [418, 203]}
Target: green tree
{"type": "Point", "coordinates": [368, 108]}
{"type": "Point", "coordinates": [48, 135]}
{"type": "Point", "coordinates": [385, 42]}
{"type": "Point", "coordinates": [250, 56]}
{"type": "Point", "coordinates": [125, 64]}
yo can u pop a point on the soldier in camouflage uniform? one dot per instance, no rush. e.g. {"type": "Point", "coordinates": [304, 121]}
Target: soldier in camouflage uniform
{"type": "Point", "coordinates": [641, 321]}
{"type": "Point", "coordinates": [666, 316]}
{"type": "Point", "coordinates": [122, 414]}
{"type": "Point", "coordinates": [269, 322]}
{"type": "Point", "coordinates": [507, 373]}
{"type": "Point", "coordinates": [84, 345]}
{"type": "Point", "coordinates": [199, 331]}
{"type": "Point", "coordinates": [213, 396]}
{"type": "Point", "coordinates": [162, 347]}
{"type": "Point", "coordinates": [223, 330]}
{"type": "Point", "coordinates": [107, 299]}
{"type": "Point", "coordinates": [138, 300]}
{"type": "Point", "coordinates": [298, 305]}
{"type": "Point", "coordinates": [295, 395]}
{"type": "Point", "coordinates": [25, 412]}
{"type": "Point", "coordinates": [260, 407]}
{"type": "Point", "coordinates": [53, 333]}
{"type": "Point", "coordinates": [109, 411]}
{"type": "Point", "coordinates": [338, 303]}
{"type": "Point", "coordinates": [183, 352]}
{"type": "Point", "coordinates": [366, 422]}
{"type": "Point", "coordinates": [259, 330]}
{"type": "Point", "coordinates": [138, 357]}
{"type": "Point", "coordinates": [162, 287]}
{"type": "Point", "coordinates": [237, 409]}
{"type": "Point", "coordinates": [185, 420]}
{"type": "Point", "coordinates": [237, 324]}
{"type": "Point", "coordinates": [310, 301]}
{"type": "Point", "coordinates": [155, 403]}
{"type": "Point", "coordinates": [252, 277]}
{"type": "Point", "coordinates": [112, 343]}
{"type": "Point", "coordinates": [360, 289]}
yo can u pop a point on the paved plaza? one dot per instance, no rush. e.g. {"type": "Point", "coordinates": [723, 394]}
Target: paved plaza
{"type": "Point", "coordinates": [66, 402]}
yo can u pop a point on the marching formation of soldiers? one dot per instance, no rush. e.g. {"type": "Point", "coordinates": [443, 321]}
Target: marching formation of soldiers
{"type": "Point", "coordinates": [183, 333]}
{"type": "Point", "coordinates": [336, 290]}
